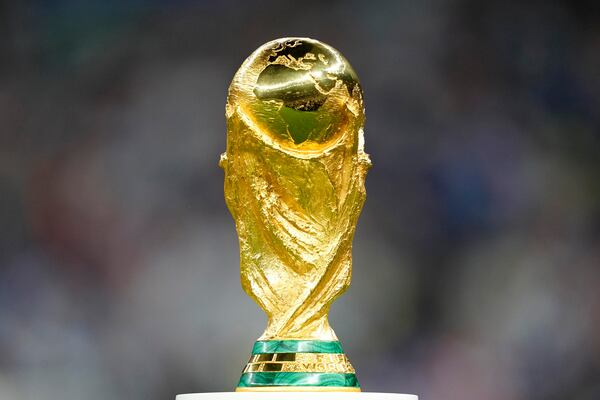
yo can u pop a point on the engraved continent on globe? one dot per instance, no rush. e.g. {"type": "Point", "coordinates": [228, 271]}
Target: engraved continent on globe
{"type": "Point", "coordinates": [301, 92]}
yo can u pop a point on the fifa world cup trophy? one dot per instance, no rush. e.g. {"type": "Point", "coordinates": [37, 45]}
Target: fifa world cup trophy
{"type": "Point", "coordinates": [295, 170]}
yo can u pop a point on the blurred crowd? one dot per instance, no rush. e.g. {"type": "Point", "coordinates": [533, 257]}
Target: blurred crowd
{"type": "Point", "coordinates": [476, 258]}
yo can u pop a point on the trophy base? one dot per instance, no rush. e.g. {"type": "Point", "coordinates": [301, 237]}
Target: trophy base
{"type": "Point", "coordinates": [298, 365]}
{"type": "Point", "coordinates": [295, 395]}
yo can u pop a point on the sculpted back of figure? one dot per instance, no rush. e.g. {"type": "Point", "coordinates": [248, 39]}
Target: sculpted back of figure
{"type": "Point", "coordinates": [294, 182]}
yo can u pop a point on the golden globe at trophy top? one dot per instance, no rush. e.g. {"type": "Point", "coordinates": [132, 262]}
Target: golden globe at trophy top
{"type": "Point", "coordinates": [295, 170]}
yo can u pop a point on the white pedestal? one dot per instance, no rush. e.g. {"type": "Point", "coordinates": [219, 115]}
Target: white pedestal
{"type": "Point", "coordinates": [296, 396]}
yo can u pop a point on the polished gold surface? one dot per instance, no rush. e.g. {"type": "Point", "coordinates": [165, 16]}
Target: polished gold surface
{"type": "Point", "coordinates": [299, 362]}
{"type": "Point", "coordinates": [298, 357]}
{"type": "Point", "coordinates": [294, 180]}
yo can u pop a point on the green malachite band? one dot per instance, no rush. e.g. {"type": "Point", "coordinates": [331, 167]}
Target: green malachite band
{"type": "Point", "coordinates": [254, 379]}
{"type": "Point", "coordinates": [297, 346]}
{"type": "Point", "coordinates": [284, 353]}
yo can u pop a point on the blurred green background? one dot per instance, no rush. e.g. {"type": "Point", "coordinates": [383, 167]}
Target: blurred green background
{"type": "Point", "coordinates": [477, 256]}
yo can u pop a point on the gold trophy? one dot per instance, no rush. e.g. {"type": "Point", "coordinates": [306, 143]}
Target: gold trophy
{"type": "Point", "coordinates": [295, 170]}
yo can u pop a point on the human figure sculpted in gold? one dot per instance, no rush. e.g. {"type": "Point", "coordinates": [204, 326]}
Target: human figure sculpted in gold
{"type": "Point", "coordinates": [295, 170]}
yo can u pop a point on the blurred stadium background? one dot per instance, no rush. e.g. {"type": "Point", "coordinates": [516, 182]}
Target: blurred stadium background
{"type": "Point", "coordinates": [477, 256]}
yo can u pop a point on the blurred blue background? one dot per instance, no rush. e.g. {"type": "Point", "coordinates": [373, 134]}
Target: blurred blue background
{"type": "Point", "coordinates": [477, 256]}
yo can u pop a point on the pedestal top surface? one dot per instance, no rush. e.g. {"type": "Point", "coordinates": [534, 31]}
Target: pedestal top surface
{"type": "Point", "coordinates": [296, 396]}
